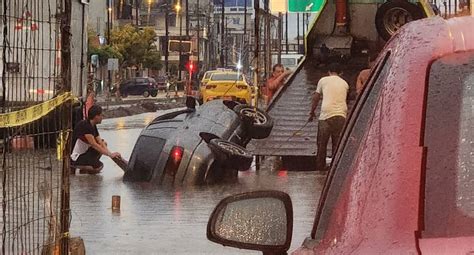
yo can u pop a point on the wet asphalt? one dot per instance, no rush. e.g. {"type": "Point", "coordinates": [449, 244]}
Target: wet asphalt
{"type": "Point", "coordinates": [170, 220]}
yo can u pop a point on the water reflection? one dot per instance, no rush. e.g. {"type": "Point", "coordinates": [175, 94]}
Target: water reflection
{"type": "Point", "coordinates": [168, 220]}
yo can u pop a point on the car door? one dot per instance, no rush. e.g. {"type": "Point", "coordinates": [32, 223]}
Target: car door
{"type": "Point", "coordinates": [141, 86]}
{"type": "Point", "coordinates": [351, 218]}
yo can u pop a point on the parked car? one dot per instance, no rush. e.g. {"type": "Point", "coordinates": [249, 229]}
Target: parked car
{"type": "Point", "coordinates": [402, 178]}
{"type": "Point", "coordinates": [228, 86]}
{"type": "Point", "coordinates": [162, 83]}
{"type": "Point", "coordinates": [200, 145]}
{"type": "Point", "coordinates": [139, 86]}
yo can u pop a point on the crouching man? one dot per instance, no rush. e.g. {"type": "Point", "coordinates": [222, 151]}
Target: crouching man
{"type": "Point", "coordinates": [88, 147]}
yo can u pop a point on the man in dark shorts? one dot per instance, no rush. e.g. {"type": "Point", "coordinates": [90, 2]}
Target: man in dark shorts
{"type": "Point", "coordinates": [88, 147]}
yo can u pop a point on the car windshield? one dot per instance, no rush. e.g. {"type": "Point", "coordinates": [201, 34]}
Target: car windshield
{"type": "Point", "coordinates": [226, 77]}
{"type": "Point", "coordinates": [449, 143]}
{"type": "Point", "coordinates": [288, 62]}
{"type": "Point", "coordinates": [208, 75]}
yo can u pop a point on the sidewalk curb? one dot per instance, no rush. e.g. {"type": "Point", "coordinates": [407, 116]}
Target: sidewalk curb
{"type": "Point", "coordinates": [139, 101]}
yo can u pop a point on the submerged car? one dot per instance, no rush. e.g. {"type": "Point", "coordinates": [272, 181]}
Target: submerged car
{"type": "Point", "coordinates": [198, 145]}
{"type": "Point", "coordinates": [401, 181]}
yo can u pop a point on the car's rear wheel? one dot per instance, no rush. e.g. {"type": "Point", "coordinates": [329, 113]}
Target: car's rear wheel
{"type": "Point", "coordinates": [146, 93]}
{"type": "Point", "coordinates": [154, 93]}
{"type": "Point", "coordinates": [257, 123]}
{"type": "Point", "coordinates": [231, 154]}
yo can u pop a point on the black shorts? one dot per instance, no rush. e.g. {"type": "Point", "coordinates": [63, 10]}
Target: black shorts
{"type": "Point", "coordinates": [90, 158]}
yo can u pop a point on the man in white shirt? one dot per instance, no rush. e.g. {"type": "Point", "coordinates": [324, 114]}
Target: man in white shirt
{"type": "Point", "coordinates": [333, 114]}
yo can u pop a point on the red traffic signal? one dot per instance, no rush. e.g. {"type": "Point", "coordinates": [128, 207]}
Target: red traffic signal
{"type": "Point", "coordinates": [190, 66]}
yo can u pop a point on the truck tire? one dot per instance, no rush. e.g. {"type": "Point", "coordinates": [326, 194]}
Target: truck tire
{"type": "Point", "coordinates": [392, 15]}
{"type": "Point", "coordinates": [257, 123]}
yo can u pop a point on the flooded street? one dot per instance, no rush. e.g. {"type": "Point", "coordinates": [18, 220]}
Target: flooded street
{"type": "Point", "coordinates": [158, 220]}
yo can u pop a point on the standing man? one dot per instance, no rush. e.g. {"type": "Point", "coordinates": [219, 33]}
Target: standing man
{"type": "Point", "coordinates": [276, 80]}
{"type": "Point", "coordinates": [333, 114]}
{"type": "Point", "coordinates": [88, 147]}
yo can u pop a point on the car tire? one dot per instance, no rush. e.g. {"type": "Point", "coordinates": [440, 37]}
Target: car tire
{"type": "Point", "coordinates": [231, 154]}
{"type": "Point", "coordinates": [146, 93]}
{"type": "Point", "coordinates": [154, 93]}
{"type": "Point", "coordinates": [256, 122]}
{"type": "Point", "coordinates": [385, 18]}
{"type": "Point", "coordinates": [124, 95]}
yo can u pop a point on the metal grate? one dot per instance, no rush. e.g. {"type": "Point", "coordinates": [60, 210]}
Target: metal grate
{"type": "Point", "coordinates": [34, 122]}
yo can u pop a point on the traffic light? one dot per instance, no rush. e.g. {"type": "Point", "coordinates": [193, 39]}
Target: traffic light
{"type": "Point", "coordinates": [191, 66]}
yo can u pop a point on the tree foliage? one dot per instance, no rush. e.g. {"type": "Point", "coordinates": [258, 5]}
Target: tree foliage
{"type": "Point", "coordinates": [153, 60]}
{"type": "Point", "coordinates": [136, 46]}
{"type": "Point", "coordinates": [104, 52]}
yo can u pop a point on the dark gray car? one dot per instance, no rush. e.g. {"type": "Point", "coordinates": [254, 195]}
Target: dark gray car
{"type": "Point", "coordinates": [200, 145]}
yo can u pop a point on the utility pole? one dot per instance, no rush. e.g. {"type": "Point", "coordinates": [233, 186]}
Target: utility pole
{"type": "Point", "coordinates": [222, 33]}
{"type": "Point", "coordinates": [108, 21]}
{"type": "Point", "coordinates": [280, 35]}
{"type": "Point", "coordinates": [167, 13]}
{"type": "Point", "coordinates": [180, 38]}
{"type": "Point", "coordinates": [256, 6]}
{"type": "Point", "coordinates": [286, 31]}
{"type": "Point", "coordinates": [226, 56]}
{"type": "Point", "coordinates": [245, 41]}
{"type": "Point", "coordinates": [304, 29]}
{"type": "Point", "coordinates": [187, 18]}
{"type": "Point", "coordinates": [136, 12]}
{"type": "Point", "coordinates": [198, 46]}
{"type": "Point", "coordinates": [268, 50]}
{"type": "Point", "coordinates": [245, 21]}
{"type": "Point", "coordinates": [298, 31]}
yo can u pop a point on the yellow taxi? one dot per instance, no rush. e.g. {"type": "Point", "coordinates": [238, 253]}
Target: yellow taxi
{"type": "Point", "coordinates": [227, 85]}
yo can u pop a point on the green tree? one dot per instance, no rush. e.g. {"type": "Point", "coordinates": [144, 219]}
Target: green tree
{"type": "Point", "coordinates": [104, 52]}
{"type": "Point", "coordinates": [136, 46]}
{"type": "Point", "coordinates": [153, 60]}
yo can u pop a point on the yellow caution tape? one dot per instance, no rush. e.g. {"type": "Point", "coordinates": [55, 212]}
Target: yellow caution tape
{"type": "Point", "coordinates": [30, 114]}
{"type": "Point", "coordinates": [61, 144]}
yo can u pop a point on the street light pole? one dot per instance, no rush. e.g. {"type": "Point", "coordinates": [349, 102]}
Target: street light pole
{"type": "Point", "coordinates": [167, 13]}
{"type": "Point", "coordinates": [286, 31]}
{"type": "Point", "coordinates": [222, 33]}
{"type": "Point", "coordinates": [197, 35]}
{"type": "Point", "coordinates": [108, 21]}
{"type": "Point", "coordinates": [187, 18]}
{"type": "Point", "coordinates": [298, 31]}
{"type": "Point", "coordinates": [178, 8]}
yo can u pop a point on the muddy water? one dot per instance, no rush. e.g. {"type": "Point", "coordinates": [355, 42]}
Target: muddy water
{"type": "Point", "coordinates": [158, 220]}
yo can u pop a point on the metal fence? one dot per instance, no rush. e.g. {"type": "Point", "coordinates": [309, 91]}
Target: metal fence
{"type": "Point", "coordinates": [34, 124]}
{"type": "Point", "coordinates": [452, 8]}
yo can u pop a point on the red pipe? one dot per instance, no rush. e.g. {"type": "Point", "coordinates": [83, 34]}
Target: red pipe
{"type": "Point", "coordinates": [341, 12]}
